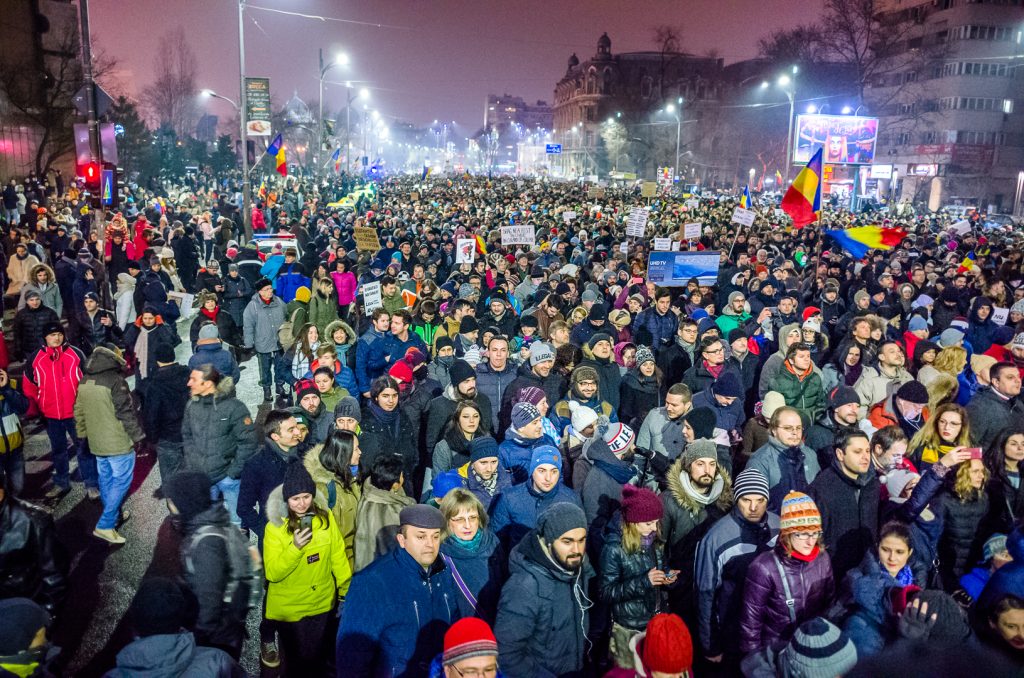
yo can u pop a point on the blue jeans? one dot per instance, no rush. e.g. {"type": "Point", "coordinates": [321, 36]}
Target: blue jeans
{"type": "Point", "coordinates": [227, 489]}
{"type": "Point", "coordinates": [59, 430]}
{"type": "Point", "coordinates": [115, 474]}
{"type": "Point", "coordinates": [13, 463]}
{"type": "Point", "coordinates": [268, 362]}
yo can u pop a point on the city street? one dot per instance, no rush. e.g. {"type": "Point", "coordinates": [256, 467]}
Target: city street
{"type": "Point", "coordinates": [104, 578]}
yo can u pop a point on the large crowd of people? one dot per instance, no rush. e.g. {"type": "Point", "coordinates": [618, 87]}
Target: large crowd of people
{"type": "Point", "coordinates": [518, 460]}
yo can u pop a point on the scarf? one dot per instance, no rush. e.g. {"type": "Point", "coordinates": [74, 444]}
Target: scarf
{"type": "Point", "coordinates": [796, 555]}
{"type": "Point", "coordinates": [715, 370]}
{"type": "Point", "coordinates": [142, 351]}
{"type": "Point", "coordinates": [851, 373]}
{"type": "Point", "coordinates": [471, 544]}
{"type": "Point", "coordinates": [212, 315]}
{"type": "Point", "coordinates": [799, 375]}
{"type": "Point", "coordinates": [648, 541]}
{"type": "Point", "coordinates": [905, 577]}
{"type": "Point", "coordinates": [792, 476]}
{"type": "Point", "coordinates": [490, 485]}
{"type": "Point", "coordinates": [389, 419]}
{"type": "Point", "coordinates": [703, 499]}
{"type": "Point", "coordinates": [621, 473]}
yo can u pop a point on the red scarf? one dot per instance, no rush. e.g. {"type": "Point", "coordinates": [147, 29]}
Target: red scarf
{"type": "Point", "coordinates": [715, 370]}
{"type": "Point", "coordinates": [212, 315]}
{"type": "Point", "coordinates": [809, 557]}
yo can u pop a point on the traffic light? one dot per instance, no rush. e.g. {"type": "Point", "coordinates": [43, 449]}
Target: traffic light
{"type": "Point", "coordinates": [90, 173]}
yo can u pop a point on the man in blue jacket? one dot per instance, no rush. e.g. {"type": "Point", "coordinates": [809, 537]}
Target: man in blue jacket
{"type": "Point", "coordinates": [516, 509]}
{"type": "Point", "coordinates": [393, 345]}
{"type": "Point", "coordinates": [380, 322]}
{"type": "Point", "coordinates": [399, 607]}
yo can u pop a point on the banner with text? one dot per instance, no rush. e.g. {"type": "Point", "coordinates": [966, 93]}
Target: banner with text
{"type": "Point", "coordinates": [675, 269]}
{"type": "Point", "coordinates": [518, 235]}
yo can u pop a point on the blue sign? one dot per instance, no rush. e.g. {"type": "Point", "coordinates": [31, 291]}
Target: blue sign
{"type": "Point", "coordinates": [675, 269]}
{"type": "Point", "coordinates": [553, 149]}
{"type": "Point", "coordinates": [107, 187]}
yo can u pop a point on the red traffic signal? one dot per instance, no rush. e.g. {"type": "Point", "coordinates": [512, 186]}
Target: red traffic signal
{"type": "Point", "coordinates": [90, 173]}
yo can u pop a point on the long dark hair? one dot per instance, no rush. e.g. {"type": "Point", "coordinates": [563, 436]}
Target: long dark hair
{"type": "Point", "coordinates": [336, 456]}
{"type": "Point", "coordinates": [294, 518]}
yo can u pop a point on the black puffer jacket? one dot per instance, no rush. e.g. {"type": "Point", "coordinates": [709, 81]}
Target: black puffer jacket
{"type": "Point", "coordinates": [28, 330]}
{"type": "Point", "coordinates": [638, 396]}
{"type": "Point", "coordinates": [963, 535]}
{"type": "Point", "coordinates": [849, 515]}
{"type": "Point", "coordinates": [32, 561]}
{"type": "Point", "coordinates": [378, 439]}
{"type": "Point", "coordinates": [624, 583]}
{"type": "Point", "coordinates": [218, 433]}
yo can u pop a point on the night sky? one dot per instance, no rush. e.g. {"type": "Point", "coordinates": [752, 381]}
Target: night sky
{"type": "Point", "coordinates": [422, 59]}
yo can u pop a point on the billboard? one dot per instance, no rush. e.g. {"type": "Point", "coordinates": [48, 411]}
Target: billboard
{"type": "Point", "coordinates": [847, 139]}
{"type": "Point", "coordinates": [674, 269]}
{"type": "Point", "coordinates": [257, 107]}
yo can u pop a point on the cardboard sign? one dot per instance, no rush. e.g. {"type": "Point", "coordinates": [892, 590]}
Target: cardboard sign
{"type": "Point", "coordinates": [743, 217]}
{"type": "Point", "coordinates": [465, 251]}
{"type": "Point", "coordinates": [366, 239]}
{"type": "Point", "coordinates": [691, 231]}
{"type": "Point", "coordinates": [518, 235]}
{"type": "Point", "coordinates": [1000, 315]}
{"type": "Point", "coordinates": [662, 244]}
{"type": "Point", "coordinates": [371, 297]}
{"type": "Point", "coordinates": [636, 223]}
{"type": "Point", "coordinates": [648, 189]}
{"type": "Point", "coordinates": [414, 196]}
{"type": "Point", "coordinates": [568, 216]}
{"type": "Point", "coordinates": [692, 203]}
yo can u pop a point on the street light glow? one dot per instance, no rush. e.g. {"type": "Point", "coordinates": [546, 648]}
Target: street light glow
{"type": "Point", "coordinates": [783, 80]}
{"type": "Point", "coordinates": [764, 84]}
{"type": "Point", "coordinates": [364, 93]}
{"type": "Point", "coordinates": [847, 110]}
{"type": "Point", "coordinates": [207, 92]}
{"type": "Point", "coordinates": [341, 59]}
{"type": "Point", "coordinates": [671, 108]}
{"type": "Point", "coordinates": [811, 108]}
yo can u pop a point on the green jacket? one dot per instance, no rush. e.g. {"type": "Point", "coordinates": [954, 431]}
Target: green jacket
{"type": "Point", "coordinates": [808, 395]}
{"type": "Point", "coordinates": [727, 322]}
{"type": "Point", "coordinates": [104, 413]}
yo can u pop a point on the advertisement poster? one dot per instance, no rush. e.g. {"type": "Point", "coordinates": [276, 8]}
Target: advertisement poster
{"type": "Point", "coordinates": [847, 139]}
{"type": "Point", "coordinates": [257, 107]}
{"type": "Point", "coordinates": [674, 269]}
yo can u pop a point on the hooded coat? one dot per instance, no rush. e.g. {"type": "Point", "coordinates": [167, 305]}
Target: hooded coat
{"type": "Point", "coordinates": [48, 291]}
{"type": "Point", "coordinates": [173, 655]}
{"type": "Point", "coordinates": [686, 521]}
{"type": "Point", "coordinates": [601, 490]}
{"type": "Point", "coordinates": [218, 434]}
{"type": "Point", "coordinates": [104, 413]}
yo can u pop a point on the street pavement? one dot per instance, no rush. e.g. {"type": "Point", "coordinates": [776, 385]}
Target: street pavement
{"type": "Point", "coordinates": [93, 626]}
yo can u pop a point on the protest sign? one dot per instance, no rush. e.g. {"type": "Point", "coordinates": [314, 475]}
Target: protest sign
{"type": "Point", "coordinates": [366, 239]}
{"type": "Point", "coordinates": [662, 244]}
{"type": "Point", "coordinates": [518, 235]}
{"type": "Point", "coordinates": [961, 227]}
{"type": "Point", "coordinates": [636, 223]}
{"type": "Point", "coordinates": [692, 203]}
{"type": "Point", "coordinates": [465, 251]}
{"type": "Point", "coordinates": [743, 217]}
{"type": "Point", "coordinates": [371, 297]}
{"type": "Point", "coordinates": [691, 231]}
{"type": "Point", "coordinates": [568, 216]}
{"type": "Point", "coordinates": [1000, 315]}
{"type": "Point", "coordinates": [675, 246]}
{"type": "Point", "coordinates": [648, 189]}
{"type": "Point", "coordinates": [624, 247]}
{"type": "Point", "coordinates": [414, 196]}
{"type": "Point", "coordinates": [674, 269]}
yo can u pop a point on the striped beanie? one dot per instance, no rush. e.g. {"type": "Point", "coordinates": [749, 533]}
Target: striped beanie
{"type": "Point", "coordinates": [818, 649]}
{"type": "Point", "coordinates": [468, 637]}
{"type": "Point", "coordinates": [619, 437]}
{"type": "Point", "coordinates": [798, 514]}
{"type": "Point", "coordinates": [750, 481]}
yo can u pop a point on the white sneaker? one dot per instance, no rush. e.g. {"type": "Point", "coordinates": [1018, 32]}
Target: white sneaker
{"type": "Point", "coordinates": [109, 536]}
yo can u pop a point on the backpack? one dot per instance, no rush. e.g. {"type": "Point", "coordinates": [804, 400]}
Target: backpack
{"type": "Point", "coordinates": [245, 586]}
{"type": "Point", "coordinates": [285, 333]}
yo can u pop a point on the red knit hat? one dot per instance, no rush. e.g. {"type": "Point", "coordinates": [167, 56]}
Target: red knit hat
{"type": "Point", "coordinates": [468, 637]}
{"type": "Point", "coordinates": [809, 311]}
{"type": "Point", "coordinates": [640, 505]}
{"type": "Point", "coordinates": [401, 371]}
{"type": "Point", "coordinates": [667, 647]}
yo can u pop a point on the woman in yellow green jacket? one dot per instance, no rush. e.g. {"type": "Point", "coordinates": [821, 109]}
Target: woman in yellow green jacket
{"type": "Point", "coordinates": [306, 566]}
{"type": "Point", "coordinates": [334, 467]}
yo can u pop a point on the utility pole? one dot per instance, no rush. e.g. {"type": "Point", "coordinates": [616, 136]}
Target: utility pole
{"type": "Point", "coordinates": [243, 136]}
{"type": "Point", "coordinates": [95, 144]}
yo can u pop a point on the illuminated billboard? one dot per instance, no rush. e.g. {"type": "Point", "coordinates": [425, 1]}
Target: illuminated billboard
{"type": "Point", "coordinates": [847, 139]}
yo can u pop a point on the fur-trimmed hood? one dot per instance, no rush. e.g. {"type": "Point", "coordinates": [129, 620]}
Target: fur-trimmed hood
{"type": "Point", "coordinates": [350, 335]}
{"type": "Point", "coordinates": [675, 487]}
{"type": "Point", "coordinates": [277, 507]}
{"type": "Point", "coordinates": [224, 389]}
{"type": "Point", "coordinates": [50, 277]}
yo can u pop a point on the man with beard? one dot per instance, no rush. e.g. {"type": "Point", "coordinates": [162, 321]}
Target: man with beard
{"type": "Point", "coordinates": [699, 493]}
{"type": "Point", "coordinates": [463, 387]}
{"type": "Point", "coordinates": [840, 420]}
{"type": "Point", "coordinates": [536, 371]}
{"type": "Point", "coordinates": [662, 430]}
{"type": "Point", "coordinates": [877, 384]}
{"type": "Point", "coordinates": [543, 615]}
{"type": "Point", "coordinates": [676, 358]}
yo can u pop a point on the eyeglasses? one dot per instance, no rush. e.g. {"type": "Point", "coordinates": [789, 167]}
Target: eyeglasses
{"type": "Point", "coordinates": [713, 351]}
{"type": "Point", "coordinates": [805, 535]}
{"type": "Point", "coordinates": [792, 429]}
{"type": "Point", "coordinates": [488, 672]}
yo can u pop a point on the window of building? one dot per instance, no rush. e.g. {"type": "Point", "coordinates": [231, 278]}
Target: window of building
{"type": "Point", "coordinates": [1007, 106]}
{"type": "Point", "coordinates": [646, 85]}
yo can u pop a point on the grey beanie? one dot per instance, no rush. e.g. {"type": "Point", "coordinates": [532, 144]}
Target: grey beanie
{"type": "Point", "coordinates": [701, 448]}
{"type": "Point", "coordinates": [560, 518]}
{"type": "Point", "coordinates": [818, 649]}
{"type": "Point", "coordinates": [348, 407]}
{"type": "Point", "coordinates": [209, 331]}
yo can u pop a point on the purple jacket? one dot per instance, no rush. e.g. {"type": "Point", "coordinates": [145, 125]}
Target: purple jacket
{"type": "Point", "coordinates": [764, 619]}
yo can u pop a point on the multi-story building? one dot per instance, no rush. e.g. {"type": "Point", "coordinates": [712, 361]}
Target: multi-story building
{"type": "Point", "coordinates": [505, 110]}
{"type": "Point", "coordinates": [952, 103]}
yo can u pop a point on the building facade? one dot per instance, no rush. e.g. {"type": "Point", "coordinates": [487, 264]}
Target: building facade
{"type": "Point", "coordinates": [952, 123]}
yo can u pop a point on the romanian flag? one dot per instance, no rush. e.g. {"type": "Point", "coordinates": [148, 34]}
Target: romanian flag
{"type": "Point", "coordinates": [481, 248]}
{"type": "Point", "coordinates": [967, 264]}
{"type": "Point", "coordinates": [337, 159]}
{"type": "Point", "coordinates": [275, 145]}
{"type": "Point", "coordinates": [745, 201]}
{"type": "Point", "coordinates": [426, 172]}
{"type": "Point", "coordinates": [859, 239]}
{"type": "Point", "coordinates": [262, 193]}
{"type": "Point", "coordinates": [778, 178]}
{"type": "Point", "coordinates": [803, 198]}
{"type": "Point", "coordinates": [276, 149]}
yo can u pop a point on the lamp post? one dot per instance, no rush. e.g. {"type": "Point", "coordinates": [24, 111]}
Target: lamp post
{"type": "Point", "coordinates": [788, 85]}
{"type": "Point", "coordinates": [339, 60]}
{"type": "Point", "coordinates": [350, 97]}
{"type": "Point", "coordinates": [244, 137]}
{"type": "Point", "coordinates": [671, 108]}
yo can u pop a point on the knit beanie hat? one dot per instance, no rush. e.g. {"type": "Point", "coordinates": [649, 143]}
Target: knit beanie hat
{"type": "Point", "coordinates": [22, 619]}
{"type": "Point", "coordinates": [917, 323]}
{"type": "Point", "coordinates": [348, 407]}
{"type": "Point", "coordinates": [799, 513]}
{"type": "Point", "coordinates": [702, 420]}
{"type": "Point", "coordinates": [444, 483]}
{"type": "Point", "coordinates": [483, 447]}
{"type": "Point", "coordinates": [728, 386]}
{"type": "Point", "coordinates": [582, 416]}
{"type": "Point", "coordinates": [460, 372]}
{"type": "Point", "coordinates": [818, 649]}
{"type": "Point", "coordinates": [667, 646]}
{"type": "Point", "coordinates": [532, 395]}
{"type": "Point", "coordinates": [773, 400]}
{"type": "Point", "coordinates": [523, 414]}
{"type": "Point", "coordinates": [640, 505]}
{"type": "Point", "coordinates": [750, 481]}
{"type": "Point", "coordinates": [401, 371]}
{"type": "Point", "coordinates": [700, 448]}
{"type": "Point", "coordinates": [598, 338]}
{"type": "Point", "coordinates": [896, 481]}
{"type": "Point", "coordinates": [619, 437]}
{"type": "Point", "coordinates": [842, 395]}
{"type": "Point", "coordinates": [584, 373]}
{"type": "Point", "coordinates": [559, 518]}
{"type": "Point", "coordinates": [415, 358]}
{"type": "Point", "coordinates": [160, 607]}
{"type": "Point", "coordinates": [164, 354]}
{"type": "Point", "coordinates": [644, 355]}
{"type": "Point", "coordinates": [443, 342]}
{"type": "Point", "coordinates": [189, 491]}
{"type": "Point", "coordinates": [466, 638]}
{"type": "Point", "coordinates": [297, 481]}
{"type": "Point", "coordinates": [468, 324]}
{"type": "Point", "coordinates": [951, 626]}
{"type": "Point", "coordinates": [303, 294]}
{"type": "Point", "coordinates": [209, 331]}
{"type": "Point", "coordinates": [913, 392]}
{"type": "Point", "coordinates": [546, 454]}
{"type": "Point", "coordinates": [305, 387]}
{"type": "Point", "coordinates": [540, 352]}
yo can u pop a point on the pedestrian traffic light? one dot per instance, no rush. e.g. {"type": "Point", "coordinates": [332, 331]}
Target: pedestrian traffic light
{"type": "Point", "coordinates": [90, 173]}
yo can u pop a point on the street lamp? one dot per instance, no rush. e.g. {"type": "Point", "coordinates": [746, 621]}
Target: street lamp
{"type": "Point", "coordinates": [671, 109]}
{"type": "Point", "coordinates": [788, 85]}
{"type": "Point", "coordinates": [243, 136]}
{"type": "Point", "coordinates": [339, 60]}
{"type": "Point", "coordinates": [210, 93]}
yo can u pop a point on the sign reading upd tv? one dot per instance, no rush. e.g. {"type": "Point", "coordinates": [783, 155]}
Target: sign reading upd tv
{"type": "Point", "coordinates": [675, 269]}
{"type": "Point", "coordinates": [847, 139]}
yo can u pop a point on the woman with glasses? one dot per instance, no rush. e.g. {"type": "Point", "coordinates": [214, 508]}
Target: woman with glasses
{"type": "Point", "coordinates": [473, 555]}
{"type": "Point", "coordinates": [947, 429]}
{"type": "Point", "coordinates": [789, 584]}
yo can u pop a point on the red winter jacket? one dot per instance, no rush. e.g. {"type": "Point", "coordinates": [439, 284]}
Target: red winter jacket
{"type": "Point", "coordinates": [53, 380]}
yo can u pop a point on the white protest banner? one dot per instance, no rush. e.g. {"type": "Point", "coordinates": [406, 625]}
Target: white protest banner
{"type": "Point", "coordinates": [675, 246]}
{"type": "Point", "coordinates": [636, 223]}
{"type": "Point", "coordinates": [518, 235]}
{"type": "Point", "coordinates": [692, 203]}
{"type": "Point", "coordinates": [371, 297]}
{"type": "Point", "coordinates": [780, 213]}
{"type": "Point", "coordinates": [568, 216]}
{"type": "Point", "coordinates": [624, 247]}
{"type": "Point", "coordinates": [692, 231]}
{"type": "Point", "coordinates": [1000, 315]}
{"type": "Point", "coordinates": [961, 227]}
{"type": "Point", "coordinates": [743, 217]}
{"type": "Point", "coordinates": [662, 244]}
{"type": "Point", "coordinates": [465, 251]}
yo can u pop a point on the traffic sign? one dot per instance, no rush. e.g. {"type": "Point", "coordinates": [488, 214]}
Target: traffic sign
{"type": "Point", "coordinates": [107, 187]}
{"type": "Point", "coordinates": [81, 100]}
{"type": "Point", "coordinates": [553, 149]}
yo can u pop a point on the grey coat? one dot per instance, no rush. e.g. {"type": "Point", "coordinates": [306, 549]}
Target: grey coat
{"type": "Point", "coordinates": [260, 323]}
{"type": "Point", "coordinates": [662, 435]}
{"type": "Point", "coordinates": [218, 434]}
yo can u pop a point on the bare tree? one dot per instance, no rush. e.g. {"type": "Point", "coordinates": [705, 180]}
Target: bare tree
{"type": "Point", "coordinates": [171, 97]}
{"type": "Point", "coordinates": [669, 41]}
{"type": "Point", "coordinates": [802, 44]}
